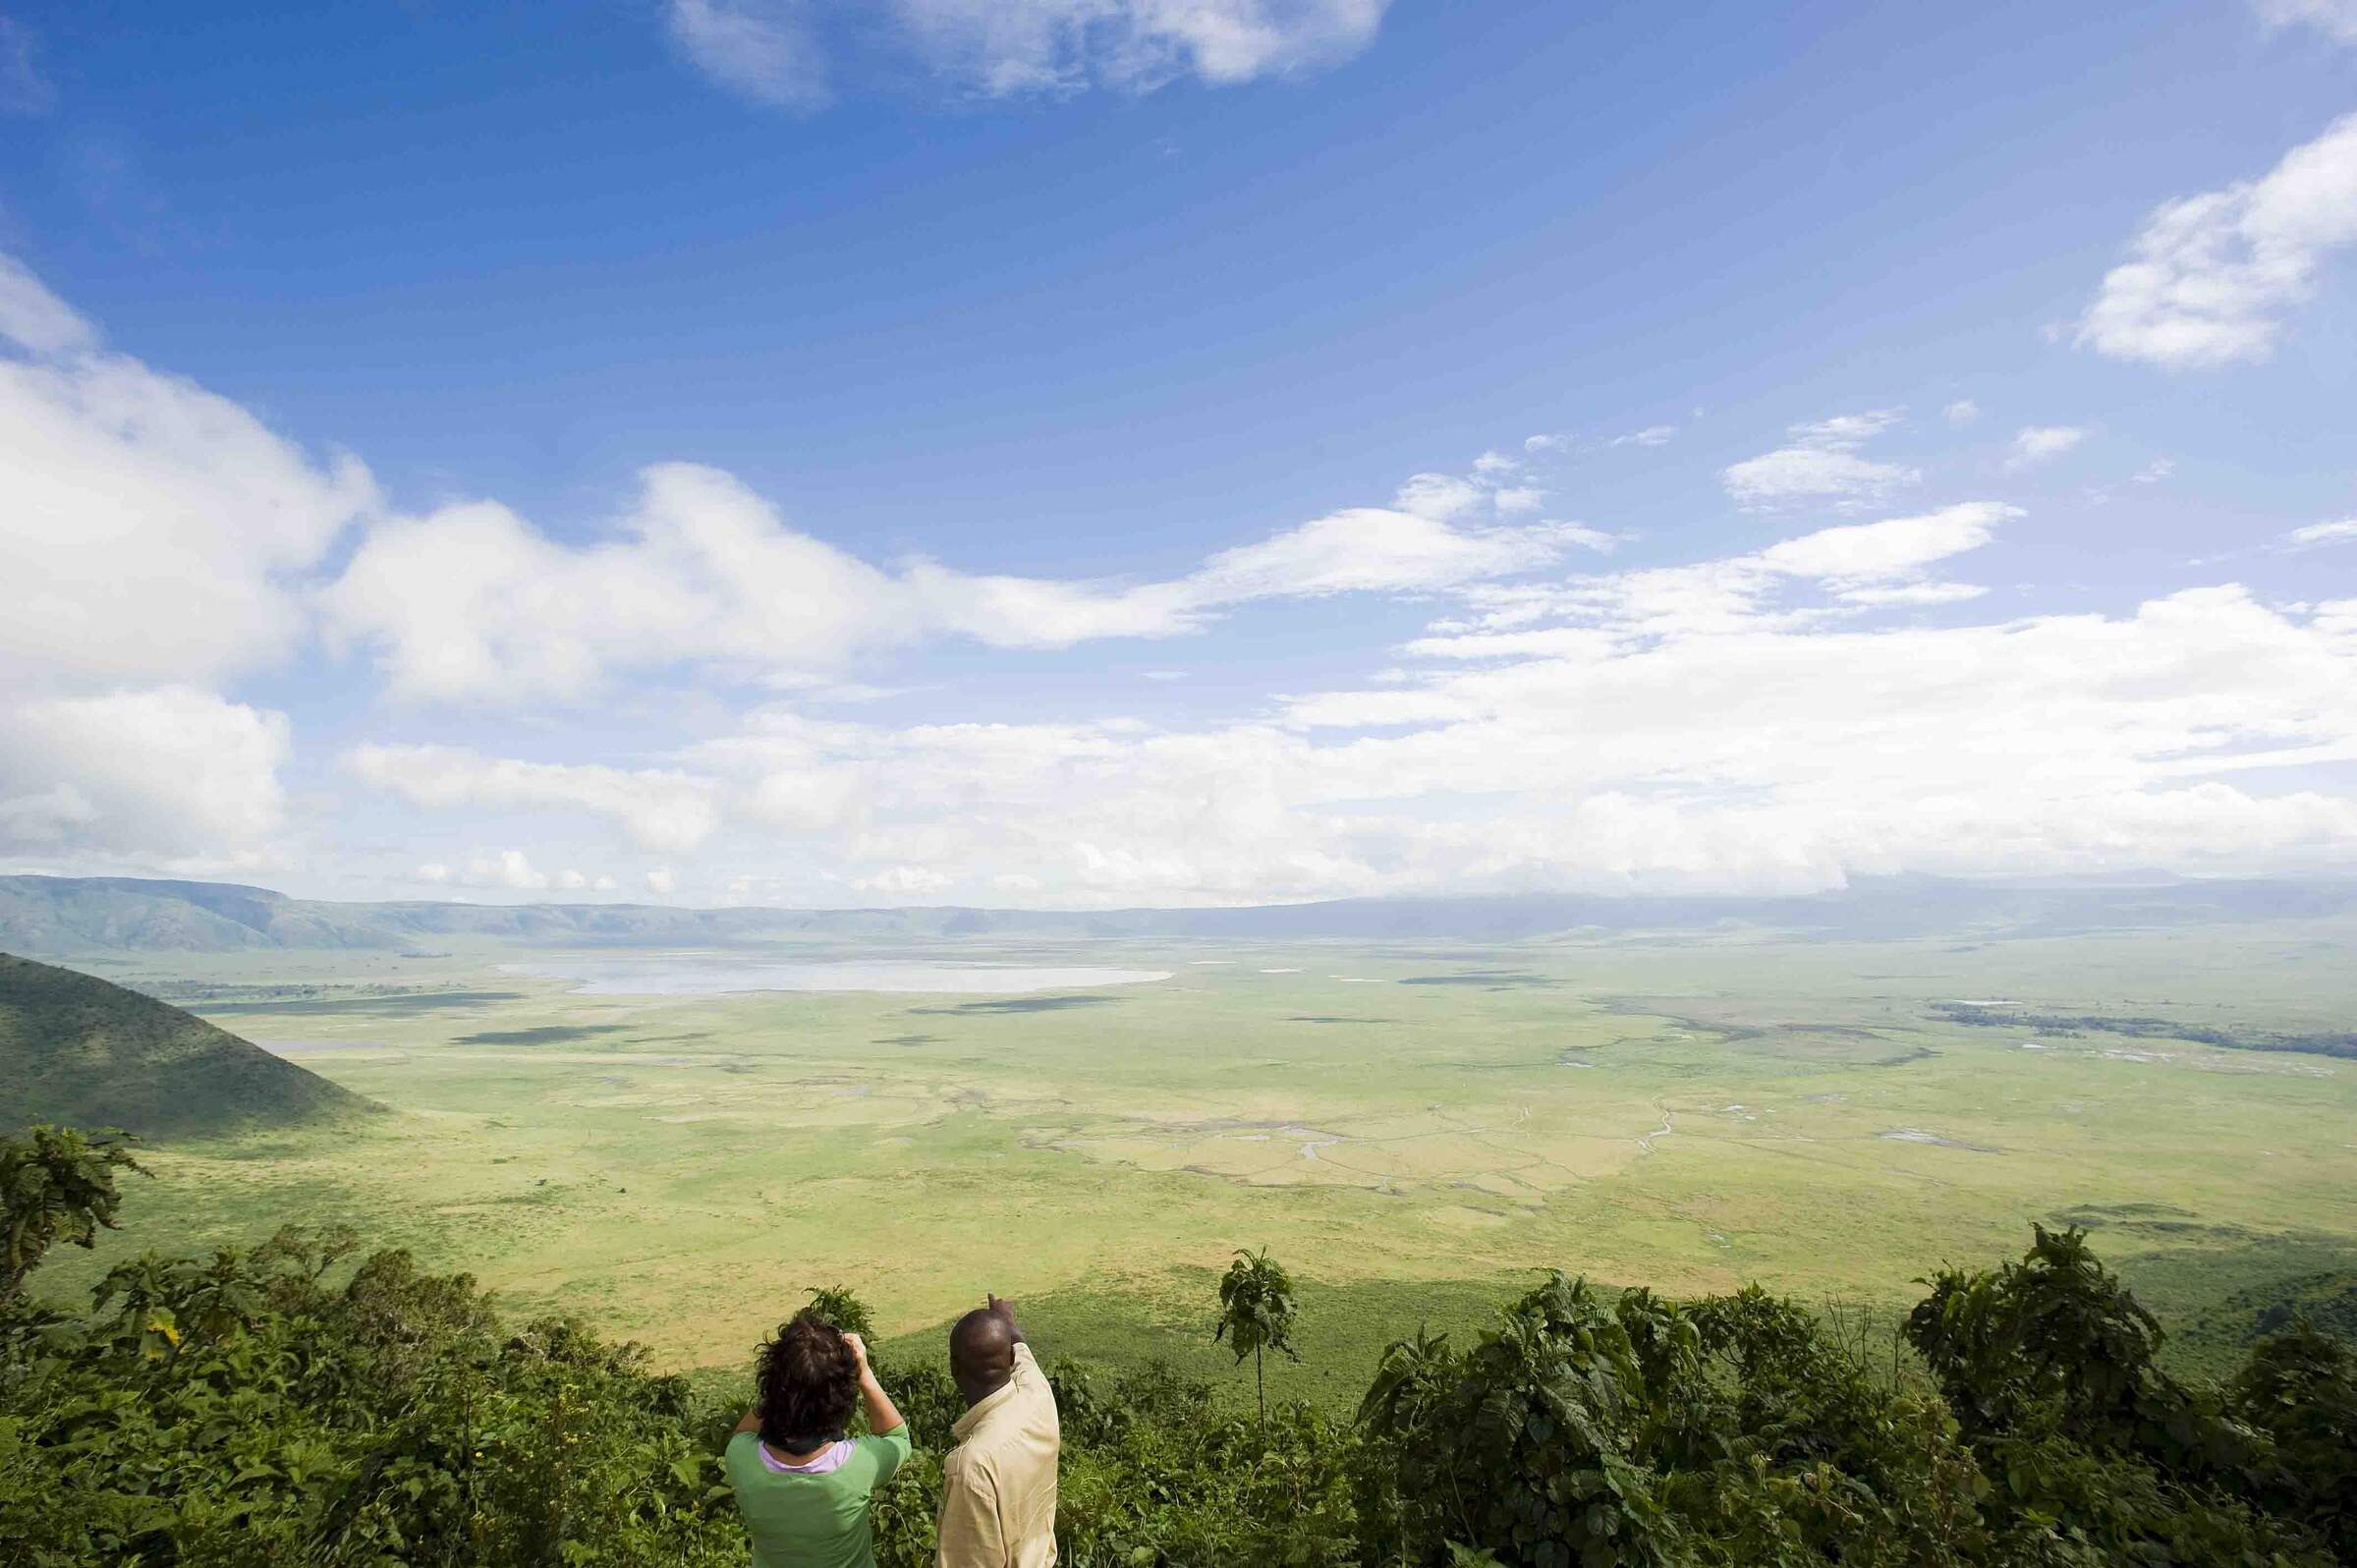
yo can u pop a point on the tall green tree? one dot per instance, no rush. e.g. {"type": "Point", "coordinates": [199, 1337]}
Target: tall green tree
{"type": "Point", "coordinates": [57, 1184]}
{"type": "Point", "coordinates": [1256, 1314]}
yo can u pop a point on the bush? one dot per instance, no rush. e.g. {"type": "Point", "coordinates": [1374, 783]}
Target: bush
{"type": "Point", "coordinates": [300, 1403]}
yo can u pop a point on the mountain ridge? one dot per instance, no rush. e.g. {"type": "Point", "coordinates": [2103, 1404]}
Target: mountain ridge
{"type": "Point", "coordinates": [55, 915]}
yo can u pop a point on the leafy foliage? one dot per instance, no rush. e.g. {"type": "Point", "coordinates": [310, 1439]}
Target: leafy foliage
{"type": "Point", "coordinates": [57, 1184]}
{"type": "Point", "coordinates": [1256, 1313]}
{"type": "Point", "coordinates": [837, 1305]}
{"type": "Point", "coordinates": [305, 1403]}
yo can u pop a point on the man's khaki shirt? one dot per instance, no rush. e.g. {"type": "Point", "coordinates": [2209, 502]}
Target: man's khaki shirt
{"type": "Point", "coordinates": [998, 1484]}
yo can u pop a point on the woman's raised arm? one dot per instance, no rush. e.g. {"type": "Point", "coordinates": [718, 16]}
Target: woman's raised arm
{"type": "Point", "coordinates": [883, 1414]}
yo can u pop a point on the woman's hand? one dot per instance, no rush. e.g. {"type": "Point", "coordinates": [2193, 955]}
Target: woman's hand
{"type": "Point", "coordinates": [882, 1415]}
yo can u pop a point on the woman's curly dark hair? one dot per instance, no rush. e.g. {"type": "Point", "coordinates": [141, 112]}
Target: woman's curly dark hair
{"type": "Point", "coordinates": [807, 1381]}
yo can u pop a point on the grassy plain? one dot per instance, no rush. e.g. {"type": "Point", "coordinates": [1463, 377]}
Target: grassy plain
{"type": "Point", "coordinates": [1411, 1127]}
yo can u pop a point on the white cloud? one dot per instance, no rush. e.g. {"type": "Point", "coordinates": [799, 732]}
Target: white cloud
{"type": "Point", "coordinates": [662, 882]}
{"type": "Point", "coordinates": [2336, 19]}
{"type": "Point", "coordinates": [474, 600]}
{"type": "Point", "coordinates": [142, 504]}
{"type": "Point", "coordinates": [659, 809]}
{"type": "Point", "coordinates": [2344, 532]}
{"type": "Point", "coordinates": [1822, 461]}
{"type": "Point", "coordinates": [1756, 750]}
{"type": "Point", "coordinates": [169, 774]}
{"type": "Point", "coordinates": [2153, 473]}
{"type": "Point", "coordinates": [473, 603]}
{"type": "Point", "coordinates": [1961, 411]}
{"type": "Point", "coordinates": [1911, 593]}
{"type": "Point", "coordinates": [905, 881]}
{"type": "Point", "coordinates": [2037, 442]}
{"type": "Point", "coordinates": [1411, 548]}
{"type": "Point", "coordinates": [775, 51]}
{"type": "Point", "coordinates": [37, 320]}
{"type": "Point", "coordinates": [2212, 276]}
{"type": "Point", "coordinates": [1543, 443]}
{"type": "Point", "coordinates": [1651, 435]}
{"type": "Point", "coordinates": [1017, 46]}
{"type": "Point", "coordinates": [764, 50]}
{"type": "Point", "coordinates": [138, 500]}
{"type": "Point", "coordinates": [1849, 430]}
{"type": "Point", "coordinates": [510, 870]}
{"type": "Point", "coordinates": [1858, 566]}
{"type": "Point", "coordinates": [1897, 548]}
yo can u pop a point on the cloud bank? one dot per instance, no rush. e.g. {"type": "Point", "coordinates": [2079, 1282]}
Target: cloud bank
{"type": "Point", "coordinates": [523, 709]}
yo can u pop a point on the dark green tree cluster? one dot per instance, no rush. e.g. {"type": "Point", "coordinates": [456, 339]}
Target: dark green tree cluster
{"type": "Point", "coordinates": [307, 1402]}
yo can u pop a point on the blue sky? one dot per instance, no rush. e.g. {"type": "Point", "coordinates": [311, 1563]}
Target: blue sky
{"type": "Point", "coordinates": [740, 449]}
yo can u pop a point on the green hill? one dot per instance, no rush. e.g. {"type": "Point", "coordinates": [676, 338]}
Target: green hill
{"type": "Point", "coordinates": [77, 1049]}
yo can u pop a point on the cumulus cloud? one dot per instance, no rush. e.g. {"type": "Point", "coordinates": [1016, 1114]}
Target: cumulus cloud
{"type": "Point", "coordinates": [2211, 277]}
{"type": "Point", "coordinates": [144, 505]}
{"type": "Point", "coordinates": [2037, 442]}
{"type": "Point", "coordinates": [138, 501]}
{"type": "Point", "coordinates": [764, 50]}
{"type": "Point", "coordinates": [1822, 459]}
{"type": "Point", "coordinates": [169, 774]}
{"type": "Point", "coordinates": [1961, 411]}
{"type": "Point", "coordinates": [473, 601]}
{"type": "Point", "coordinates": [1751, 751]}
{"type": "Point", "coordinates": [1651, 435]}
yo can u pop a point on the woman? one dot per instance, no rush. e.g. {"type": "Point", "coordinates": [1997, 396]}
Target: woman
{"type": "Point", "coordinates": [802, 1485]}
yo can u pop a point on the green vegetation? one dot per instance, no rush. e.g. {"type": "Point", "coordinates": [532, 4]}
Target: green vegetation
{"type": "Point", "coordinates": [679, 1167]}
{"type": "Point", "coordinates": [1255, 1316]}
{"type": "Point", "coordinates": [2322, 1043]}
{"type": "Point", "coordinates": [301, 1404]}
{"type": "Point", "coordinates": [74, 1047]}
{"type": "Point", "coordinates": [56, 1185]}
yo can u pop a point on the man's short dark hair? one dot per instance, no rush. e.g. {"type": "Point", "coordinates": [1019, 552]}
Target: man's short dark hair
{"type": "Point", "coordinates": [807, 1382]}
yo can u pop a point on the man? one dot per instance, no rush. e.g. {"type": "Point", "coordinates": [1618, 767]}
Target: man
{"type": "Point", "coordinates": [998, 1484]}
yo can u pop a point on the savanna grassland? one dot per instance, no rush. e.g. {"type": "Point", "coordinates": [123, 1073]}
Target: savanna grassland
{"type": "Point", "coordinates": [1413, 1128]}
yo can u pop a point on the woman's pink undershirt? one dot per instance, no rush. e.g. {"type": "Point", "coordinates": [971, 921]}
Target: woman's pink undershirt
{"type": "Point", "coordinates": [830, 1458]}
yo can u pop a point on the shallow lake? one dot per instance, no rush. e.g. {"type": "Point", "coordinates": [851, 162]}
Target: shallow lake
{"type": "Point", "coordinates": [695, 975]}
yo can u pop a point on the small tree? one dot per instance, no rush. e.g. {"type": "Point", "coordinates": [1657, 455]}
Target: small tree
{"type": "Point", "coordinates": [57, 1184]}
{"type": "Point", "coordinates": [1256, 1314]}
